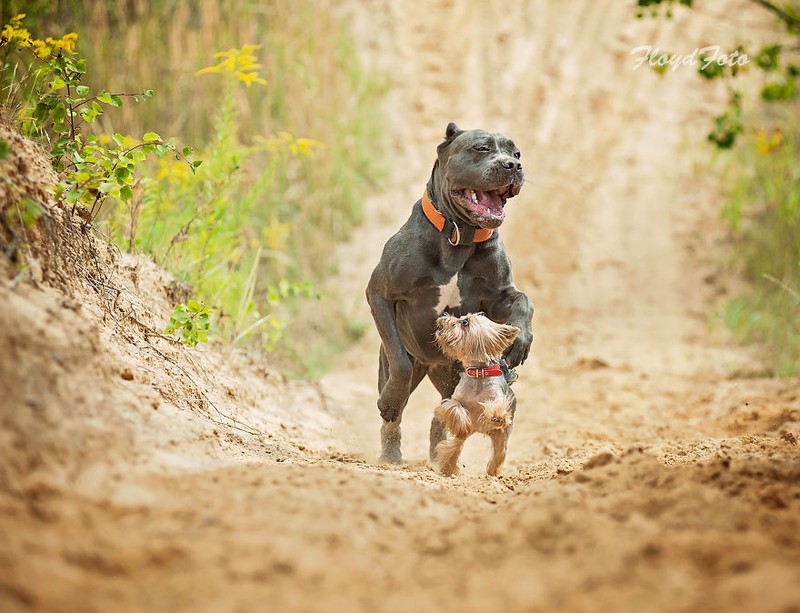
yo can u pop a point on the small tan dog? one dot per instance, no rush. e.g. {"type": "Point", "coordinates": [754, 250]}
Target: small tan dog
{"type": "Point", "coordinates": [482, 401]}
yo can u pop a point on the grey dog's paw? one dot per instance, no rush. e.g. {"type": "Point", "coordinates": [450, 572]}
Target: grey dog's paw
{"type": "Point", "coordinates": [518, 352]}
{"type": "Point", "coordinates": [391, 458]}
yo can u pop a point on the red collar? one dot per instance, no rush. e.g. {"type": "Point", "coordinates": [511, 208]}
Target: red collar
{"type": "Point", "coordinates": [449, 228]}
{"type": "Point", "coordinates": [479, 373]}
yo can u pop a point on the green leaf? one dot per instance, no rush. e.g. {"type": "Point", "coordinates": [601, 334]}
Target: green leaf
{"type": "Point", "coordinates": [105, 97]}
{"type": "Point", "coordinates": [116, 101]}
{"type": "Point", "coordinates": [202, 336]}
{"type": "Point", "coordinates": [118, 138]}
{"type": "Point", "coordinates": [82, 90]}
{"type": "Point", "coordinates": [29, 211]}
{"type": "Point", "coordinates": [126, 193]}
{"type": "Point", "coordinates": [187, 151]}
{"type": "Point", "coordinates": [151, 137]}
{"type": "Point", "coordinates": [180, 317]}
{"type": "Point", "coordinates": [769, 57]}
{"type": "Point", "coordinates": [194, 306]}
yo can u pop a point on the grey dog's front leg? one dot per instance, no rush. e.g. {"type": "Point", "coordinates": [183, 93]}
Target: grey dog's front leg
{"type": "Point", "coordinates": [438, 434]}
{"type": "Point", "coordinates": [521, 317]}
{"type": "Point", "coordinates": [395, 376]}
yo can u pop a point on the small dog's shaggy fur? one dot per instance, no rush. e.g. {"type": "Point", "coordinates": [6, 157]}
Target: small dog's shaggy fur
{"type": "Point", "coordinates": [482, 404]}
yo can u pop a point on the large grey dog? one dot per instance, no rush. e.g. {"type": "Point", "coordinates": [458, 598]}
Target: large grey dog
{"type": "Point", "coordinates": [446, 258]}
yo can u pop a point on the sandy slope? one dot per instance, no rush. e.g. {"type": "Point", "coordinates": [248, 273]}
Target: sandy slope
{"type": "Point", "coordinates": [649, 469]}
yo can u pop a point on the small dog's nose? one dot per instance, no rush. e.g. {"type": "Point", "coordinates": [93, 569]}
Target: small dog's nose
{"type": "Point", "coordinates": [511, 164]}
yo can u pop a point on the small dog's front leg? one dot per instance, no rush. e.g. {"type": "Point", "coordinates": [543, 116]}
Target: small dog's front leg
{"type": "Point", "coordinates": [447, 454]}
{"type": "Point", "coordinates": [499, 446]}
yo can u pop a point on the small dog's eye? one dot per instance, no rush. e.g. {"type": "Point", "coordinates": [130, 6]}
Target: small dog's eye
{"type": "Point", "coordinates": [517, 155]}
{"type": "Point", "coordinates": [465, 322]}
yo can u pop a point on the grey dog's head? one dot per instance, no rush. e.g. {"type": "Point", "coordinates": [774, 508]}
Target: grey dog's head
{"type": "Point", "coordinates": [475, 174]}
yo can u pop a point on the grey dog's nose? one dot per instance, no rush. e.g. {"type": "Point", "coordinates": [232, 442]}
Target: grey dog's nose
{"type": "Point", "coordinates": [511, 164]}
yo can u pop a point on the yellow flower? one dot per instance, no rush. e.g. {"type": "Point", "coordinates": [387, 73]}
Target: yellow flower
{"type": "Point", "coordinates": [766, 144]}
{"type": "Point", "coordinates": [40, 49]}
{"type": "Point", "coordinates": [248, 78]}
{"type": "Point", "coordinates": [65, 43]}
{"type": "Point", "coordinates": [14, 34]}
{"type": "Point", "coordinates": [241, 63]}
{"type": "Point", "coordinates": [276, 235]}
{"type": "Point", "coordinates": [306, 147]}
{"type": "Point", "coordinates": [173, 170]}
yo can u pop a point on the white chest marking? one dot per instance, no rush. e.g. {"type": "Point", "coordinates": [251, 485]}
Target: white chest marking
{"type": "Point", "coordinates": [449, 295]}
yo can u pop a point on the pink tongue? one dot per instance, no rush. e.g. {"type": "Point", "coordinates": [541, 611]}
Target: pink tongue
{"type": "Point", "coordinates": [489, 203]}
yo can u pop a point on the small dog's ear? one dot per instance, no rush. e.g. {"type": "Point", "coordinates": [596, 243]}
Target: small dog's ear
{"type": "Point", "coordinates": [452, 131]}
{"type": "Point", "coordinates": [508, 334]}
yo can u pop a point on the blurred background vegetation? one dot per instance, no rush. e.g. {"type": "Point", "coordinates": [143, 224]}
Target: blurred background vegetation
{"type": "Point", "coordinates": [762, 213]}
{"type": "Point", "coordinates": [286, 163]}
{"type": "Point", "coordinates": [760, 131]}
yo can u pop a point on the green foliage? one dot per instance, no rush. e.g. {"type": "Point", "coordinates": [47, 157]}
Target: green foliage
{"type": "Point", "coordinates": [25, 212]}
{"type": "Point", "coordinates": [208, 227]}
{"type": "Point", "coordinates": [652, 7]}
{"type": "Point", "coordinates": [191, 322]}
{"type": "Point", "coordinates": [763, 214]}
{"type": "Point", "coordinates": [781, 86]}
{"type": "Point", "coordinates": [768, 58]}
{"type": "Point", "coordinates": [56, 108]}
{"type": "Point", "coordinates": [728, 125]}
{"type": "Point", "coordinates": [252, 229]}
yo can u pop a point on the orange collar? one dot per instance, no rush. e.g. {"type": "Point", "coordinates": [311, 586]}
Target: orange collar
{"type": "Point", "coordinates": [455, 234]}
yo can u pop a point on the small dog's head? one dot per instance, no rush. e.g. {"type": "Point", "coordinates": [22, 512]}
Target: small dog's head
{"type": "Point", "coordinates": [474, 338]}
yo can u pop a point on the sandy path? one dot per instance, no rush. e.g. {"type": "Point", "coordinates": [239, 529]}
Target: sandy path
{"type": "Point", "coordinates": [644, 473]}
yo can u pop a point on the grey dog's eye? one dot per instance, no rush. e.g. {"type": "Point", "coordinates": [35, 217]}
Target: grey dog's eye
{"type": "Point", "coordinates": [465, 322]}
{"type": "Point", "coordinates": [517, 154]}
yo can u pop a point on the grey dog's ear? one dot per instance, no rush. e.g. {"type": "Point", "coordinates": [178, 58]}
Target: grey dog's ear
{"type": "Point", "coordinates": [452, 131]}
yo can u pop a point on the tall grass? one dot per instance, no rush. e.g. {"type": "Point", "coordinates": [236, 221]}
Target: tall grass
{"type": "Point", "coordinates": [257, 223]}
{"type": "Point", "coordinates": [763, 213]}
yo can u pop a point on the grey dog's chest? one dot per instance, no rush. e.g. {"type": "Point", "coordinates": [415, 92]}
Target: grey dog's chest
{"type": "Point", "coordinates": [436, 293]}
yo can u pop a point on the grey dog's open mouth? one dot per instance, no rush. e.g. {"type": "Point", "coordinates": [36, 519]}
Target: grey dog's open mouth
{"type": "Point", "coordinates": [486, 206]}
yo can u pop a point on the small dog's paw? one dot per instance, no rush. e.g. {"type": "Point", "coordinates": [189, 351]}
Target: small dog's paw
{"type": "Point", "coordinates": [496, 419]}
{"type": "Point", "coordinates": [450, 470]}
